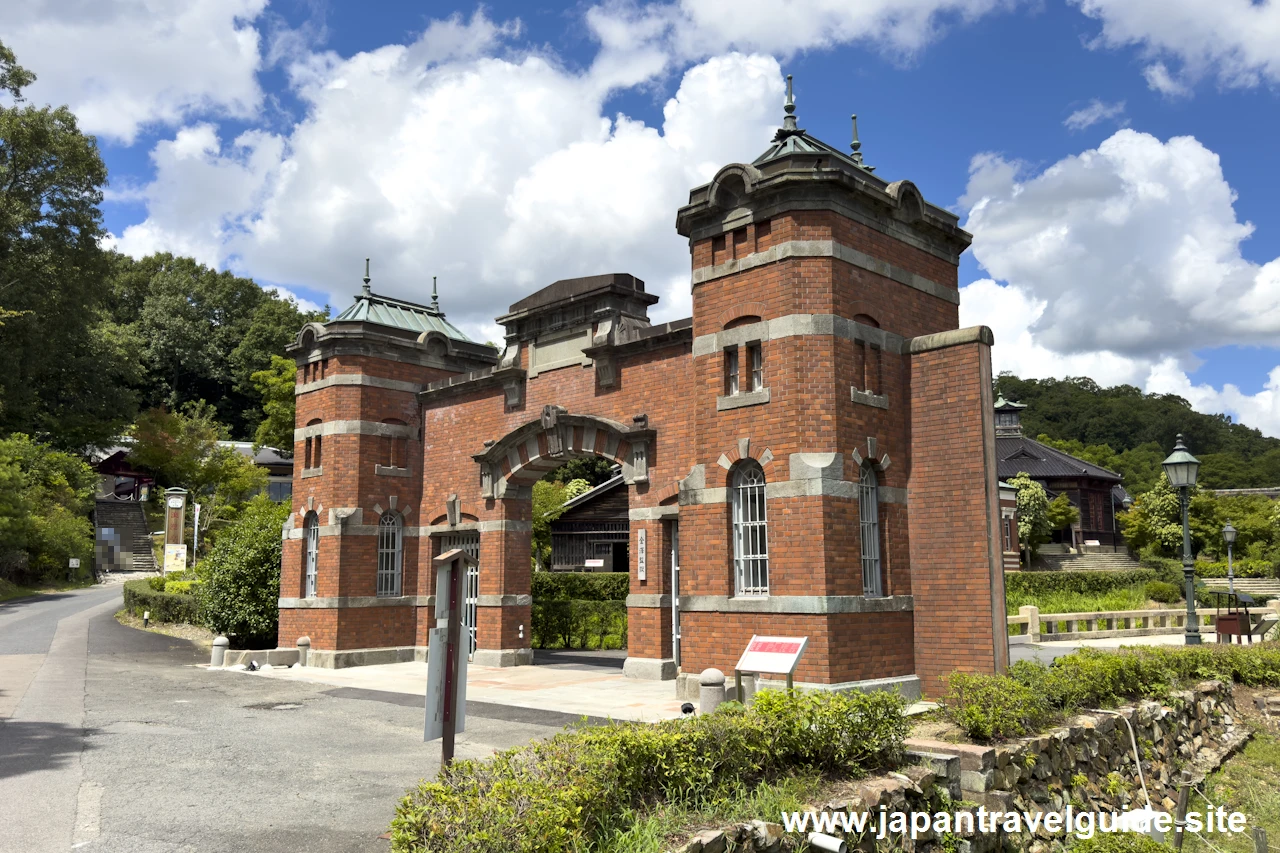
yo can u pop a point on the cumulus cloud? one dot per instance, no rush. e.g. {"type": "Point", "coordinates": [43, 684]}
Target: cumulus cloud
{"type": "Point", "coordinates": [1118, 263]}
{"type": "Point", "coordinates": [1095, 112]}
{"type": "Point", "coordinates": [130, 63]}
{"type": "Point", "coordinates": [498, 175]}
{"type": "Point", "coordinates": [1238, 41]}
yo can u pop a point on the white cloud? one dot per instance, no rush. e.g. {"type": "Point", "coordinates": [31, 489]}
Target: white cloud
{"type": "Point", "coordinates": [1095, 112]}
{"type": "Point", "coordinates": [126, 64]}
{"type": "Point", "coordinates": [1238, 41]}
{"type": "Point", "coordinates": [1119, 263]}
{"type": "Point", "coordinates": [499, 175]}
{"type": "Point", "coordinates": [1261, 410]}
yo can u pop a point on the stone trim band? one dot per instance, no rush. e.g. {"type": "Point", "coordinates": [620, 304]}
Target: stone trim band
{"type": "Point", "coordinates": [353, 428]}
{"type": "Point", "coordinates": [795, 325]}
{"type": "Point", "coordinates": [827, 249]}
{"type": "Point", "coordinates": [357, 379]}
{"type": "Point", "coordinates": [807, 604]}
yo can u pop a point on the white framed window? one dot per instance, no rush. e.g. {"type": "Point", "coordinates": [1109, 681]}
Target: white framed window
{"type": "Point", "coordinates": [390, 553]}
{"type": "Point", "coordinates": [750, 531]}
{"type": "Point", "coordinates": [731, 371]}
{"type": "Point", "coordinates": [869, 516]}
{"type": "Point", "coordinates": [311, 552]}
{"type": "Point", "coordinates": [756, 358]}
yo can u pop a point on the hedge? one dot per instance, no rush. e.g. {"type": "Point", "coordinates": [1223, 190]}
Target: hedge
{"type": "Point", "coordinates": [991, 707]}
{"type": "Point", "coordinates": [575, 623]}
{"type": "Point", "coordinates": [1080, 583]}
{"type": "Point", "coordinates": [139, 597]}
{"type": "Point", "coordinates": [1245, 568]}
{"type": "Point", "coordinates": [574, 791]}
{"type": "Point", "coordinates": [582, 586]}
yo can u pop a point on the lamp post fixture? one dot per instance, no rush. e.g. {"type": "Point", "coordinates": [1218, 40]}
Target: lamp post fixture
{"type": "Point", "coordinates": [1181, 468]}
{"type": "Point", "coordinates": [1229, 536]}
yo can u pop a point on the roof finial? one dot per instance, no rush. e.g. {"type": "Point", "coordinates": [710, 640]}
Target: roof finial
{"type": "Point", "coordinates": [856, 146]}
{"type": "Point", "coordinates": [366, 277]}
{"type": "Point", "coordinates": [789, 123]}
{"type": "Point", "coordinates": [435, 296]}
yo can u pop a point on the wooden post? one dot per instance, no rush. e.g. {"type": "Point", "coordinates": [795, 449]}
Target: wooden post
{"type": "Point", "coordinates": [1259, 840]}
{"type": "Point", "coordinates": [451, 663]}
{"type": "Point", "coordinates": [1180, 816]}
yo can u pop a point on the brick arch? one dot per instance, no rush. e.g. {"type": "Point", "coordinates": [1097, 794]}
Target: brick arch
{"type": "Point", "coordinates": [528, 452]}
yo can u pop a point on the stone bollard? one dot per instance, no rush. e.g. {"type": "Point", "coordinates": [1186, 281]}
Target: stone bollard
{"type": "Point", "coordinates": [748, 688]}
{"type": "Point", "coordinates": [711, 690]}
{"type": "Point", "coordinates": [1033, 622]}
{"type": "Point", "coordinates": [304, 648]}
{"type": "Point", "coordinates": [220, 645]}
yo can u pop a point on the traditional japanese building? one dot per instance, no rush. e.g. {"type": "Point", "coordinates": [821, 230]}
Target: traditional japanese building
{"type": "Point", "coordinates": [812, 453]}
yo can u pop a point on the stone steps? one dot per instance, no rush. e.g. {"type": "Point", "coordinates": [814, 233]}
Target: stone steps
{"type": "Point", "coordinates": [1089, 562]}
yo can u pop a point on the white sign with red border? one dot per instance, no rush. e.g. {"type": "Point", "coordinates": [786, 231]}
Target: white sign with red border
{"type": "Point", "coordinates": [772, 655]}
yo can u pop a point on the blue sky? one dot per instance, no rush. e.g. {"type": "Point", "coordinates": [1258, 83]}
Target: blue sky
{"type": "Point", "coordinates": [1113, 158]}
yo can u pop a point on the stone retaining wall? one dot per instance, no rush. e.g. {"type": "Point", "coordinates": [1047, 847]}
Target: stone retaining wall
{"type": "Point", "coordinates": [1088, 764]}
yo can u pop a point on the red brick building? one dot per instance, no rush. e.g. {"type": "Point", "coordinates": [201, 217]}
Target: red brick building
{"type": "Point", "coordinates": [812, 453]}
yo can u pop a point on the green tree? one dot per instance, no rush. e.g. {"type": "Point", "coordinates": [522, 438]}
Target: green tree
{"type": "Point", "coordinates": [548, 505]}
{"type": "Point", "coordinates": [277, 386]}
{"type": "Point", "coordinates": [240, 590]}
{"type": "Point", "coordinates": [1033, 512]}
{"type": "Point", "coordinates": [45, 498]}
{"type": "Point", "coordinates": [1061, 514]}
{"type": "Point", "coordinates": [63, 375]}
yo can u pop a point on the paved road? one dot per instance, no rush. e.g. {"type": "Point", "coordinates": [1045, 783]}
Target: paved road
{"type": "Point", "coordinates": [113, 739]}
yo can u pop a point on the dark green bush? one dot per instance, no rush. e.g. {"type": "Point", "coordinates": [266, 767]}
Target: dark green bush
{"type": "Point", "coordinates": [579, 624]}
{"type": "Point", "coordinates": [574, 790]}
{"type": "Point", "coordinates": [993, 707]}
{"type": "Point", "coordinates": [139, 598]}
{"type": "Point", "coordinates": [240, 592]}
{"type": "Point", "coordinates": [157, 583]}
{"type": "Point", "coordinates": [581, 586]}
{"type": "Point", "coordinates": [1032, 695]}
{"type": "Point", "coordinates": [1081, 583]}
{"type": "Point", "coordinates": [1165, 593]}
{"type": "Point", "coordinates": [1166, 569]}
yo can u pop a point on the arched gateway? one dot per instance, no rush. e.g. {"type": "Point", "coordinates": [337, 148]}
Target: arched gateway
{"type": "Point", "coordinates": [813, 447]}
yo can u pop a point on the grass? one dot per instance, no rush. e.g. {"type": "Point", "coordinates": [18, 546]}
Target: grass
{"type": "Point", "coordinates": [657, 829]}
{"type": "Point", "coordinates": [1127, 598]}
{"type": "Point", "coordinates": [10, 591]}
{"type": "Point", "coordinates": [1249, 783]}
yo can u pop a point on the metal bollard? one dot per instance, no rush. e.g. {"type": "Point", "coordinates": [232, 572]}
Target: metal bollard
{"type": "Point", "coordinates": [304, 648]}
{"type": "Point", "coordinates": [711, 690]}
{"type": "Point", "coordinates": [820, 841]}
{"type": "Point", "coordinates": [220, 645]}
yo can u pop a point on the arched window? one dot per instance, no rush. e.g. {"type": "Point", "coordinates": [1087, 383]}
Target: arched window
{"type": "Point", "coordinates": [869, 515]}
{"type": "Point", "coordinates": [750, 531]}
{"type": "Point", "coordinates": [310, 552]}
{"type": "Point", "coordinates": [390, 554]}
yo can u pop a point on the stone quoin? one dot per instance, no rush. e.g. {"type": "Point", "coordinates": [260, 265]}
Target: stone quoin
{"type": "Point", "coordinates": [814, 447]}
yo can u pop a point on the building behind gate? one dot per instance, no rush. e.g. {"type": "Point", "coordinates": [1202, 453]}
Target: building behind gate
{"type": "Point", "coordinates": [811, 453]}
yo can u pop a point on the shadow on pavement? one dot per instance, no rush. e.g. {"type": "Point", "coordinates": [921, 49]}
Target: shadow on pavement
{"type": "Point", "coordinates": [109, 637]}
{"type": "Point", "coordinates": [28, 747]}
{"type": "Point", "coordinates": [581, 659]}
{"type": "Point", "coordinates": [28, 599]}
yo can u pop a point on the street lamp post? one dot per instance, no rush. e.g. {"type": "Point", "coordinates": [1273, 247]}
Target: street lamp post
{"type": "Point", "coordinates": [1229, 536]}
{"type": "Point", "coordinates": [1181, 468]}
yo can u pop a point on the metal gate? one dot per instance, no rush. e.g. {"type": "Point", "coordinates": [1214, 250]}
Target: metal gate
{"type": "Point", "coordinates": [469, 543]}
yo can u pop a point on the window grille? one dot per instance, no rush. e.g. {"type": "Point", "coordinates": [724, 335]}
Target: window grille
{"type": "Point", "coordinates": [869, 512]}
{"type": "Point", "coordinates": [750, 531]}
{"type": "Point", "coordinates": [311, 538]}
{"type": "Point", "coordinates": [731, 371]}
{"type": "Point", "coordinates": [469, 543]}
{"type": "Point", "coordinates": [390, 554]}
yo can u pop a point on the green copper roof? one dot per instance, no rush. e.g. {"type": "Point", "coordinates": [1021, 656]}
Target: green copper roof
{"type": "Point", "coordinates": [370, 307]}
{"type": "Point", "coordinates": [791, 139]}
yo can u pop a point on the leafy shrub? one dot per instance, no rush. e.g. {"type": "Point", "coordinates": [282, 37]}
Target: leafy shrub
{"type": "Point", "coordinates": [1166, 569]}
{"type": "Point", "coordinates": [1032, 695]}
{"type": "Point", "coordinates": [1080, 583]}
{"type": "Point", "coordinates": [181, 587]}
{"type": "Point", "coordinates": [1246, 568]}
{"type": "Point", "coordinates": [157, 583]}
{"type": "Point", "coordinates": [45, 500]}
{"type": "Point", "coordinates": [992, 707]}
{"type": "Point", "coordinates": [240, 592]}
{"type": "Point", "coordinates": [582, 586]}
{"type": "Point", "coordinates": [140, 598]}
{"type": "Point", "coordinates": [1165, 593]}
{"type": "Point", "coordinates": [570, 792]}
{"type": "Point", "coordinates": [579, 624]}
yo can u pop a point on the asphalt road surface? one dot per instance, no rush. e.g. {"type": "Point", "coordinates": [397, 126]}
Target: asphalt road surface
{"type": "Point", "coordinates": [113, 739]}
